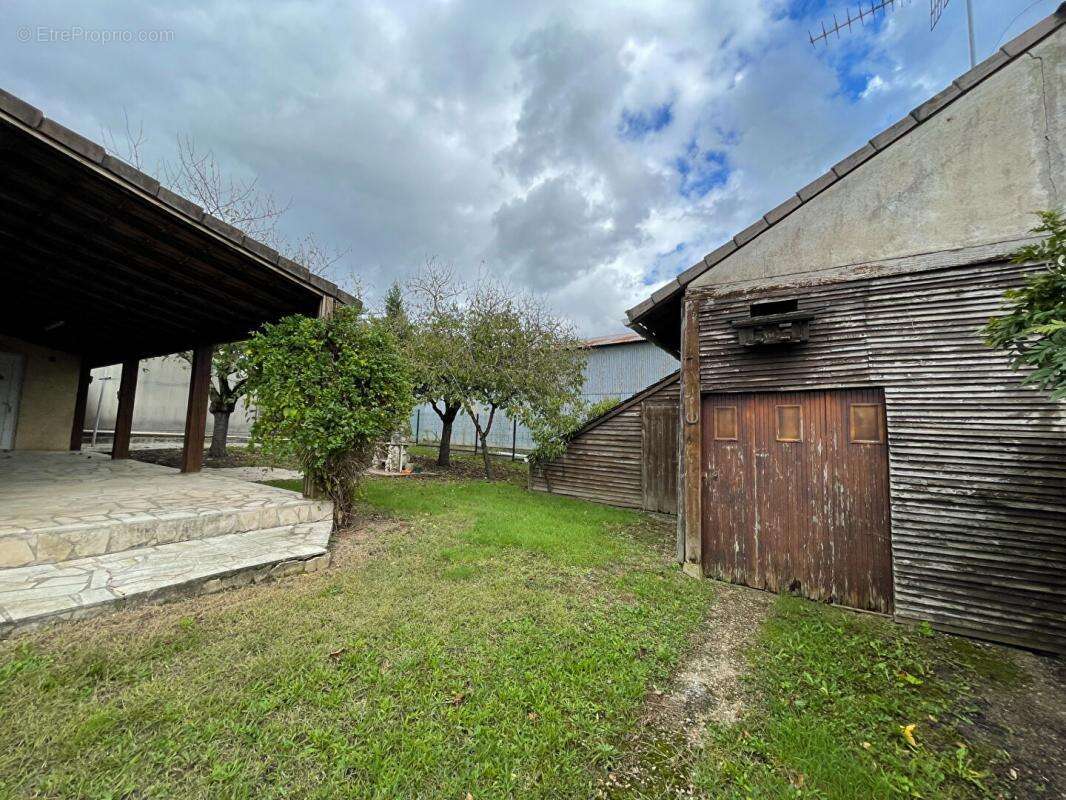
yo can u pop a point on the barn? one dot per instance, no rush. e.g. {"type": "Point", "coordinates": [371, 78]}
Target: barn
{"type": "Point", "coordinates": [845, 433]}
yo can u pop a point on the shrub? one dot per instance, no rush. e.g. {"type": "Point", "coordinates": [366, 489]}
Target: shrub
{"type": "Point", "coordinates": [1034, 329]}
{"type": "Point", "coordinates": [326, 391]}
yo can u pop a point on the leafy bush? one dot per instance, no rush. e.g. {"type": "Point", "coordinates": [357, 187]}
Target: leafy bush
{"type": "Point", "coordinates": [1034, 330]}
{"type": "Point", "coordinates": [552, 432]}
{"type": "Point", "coordinates": [326, 391]}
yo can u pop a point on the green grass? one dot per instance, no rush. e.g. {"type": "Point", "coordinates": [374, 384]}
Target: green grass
{"type": "Point", "coordinates": [838, 691]}
{"type": "Point", "coordinates": [502, 647]}
{"type": "Point", "coordinates": [832, 692]}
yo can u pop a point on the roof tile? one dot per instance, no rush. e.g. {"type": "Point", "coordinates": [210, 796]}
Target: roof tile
{"type": "Point", "coordinates": [74, 141]}
{"type": "Point", "coordinates": [179, 203]}
{"type": "Point", "coordinates": [720, 253]}
{"type": "Point", "coordinates": [750, 232]}
{"type": "Point", "coordinates": [227, 230]}
{"type": "Point", "coordinates": [289, 265]}
{"type": "Point", "coordinates": [131, 174]}
{"type": "Point", "coordinates": [665, 291]}
{"type": "Point", "coordinates": [887, 137]}
{"type": "Point", "coordinates": [817, 186]}
{"type": "Point", "coordinates": [936, 102]}
{"type": "Point", "coordinates": [640, 308]}
{"type": "Point", "coordinates": [1030, 37]}
{"type": "Point", "coordinates": [20, 109]}
{"type": "Point", "coordinates": [846, 165]}
{"type": "Point", "coordinates": [692, 272]}
{"type": "Point", "coordinates": [783, 210]}
{"type": "Point", "coordinates": [257, 247]}
{"type": "Point", "coordinates": [968, 80]}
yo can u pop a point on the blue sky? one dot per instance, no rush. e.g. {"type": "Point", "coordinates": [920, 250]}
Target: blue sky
{"type": "Point", "coordinates": [588, 151]}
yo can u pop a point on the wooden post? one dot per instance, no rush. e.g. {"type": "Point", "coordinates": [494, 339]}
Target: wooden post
{"type": "Point", "coordinates": [326, 306]}
{"type": "Point", "coordinates": [81, 400]}
{"type": "Point", "coordinates": [691, 456]}
{"type": "Point", "coordinates": [127, 392]}
{"type": "Point", "coordinates": [192, 451]}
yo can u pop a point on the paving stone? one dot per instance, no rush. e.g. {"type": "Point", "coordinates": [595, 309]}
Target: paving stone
{"type": "Point", "coordinates": [30, 594]}
{"type": "Point", "coordinates": [81, 534]}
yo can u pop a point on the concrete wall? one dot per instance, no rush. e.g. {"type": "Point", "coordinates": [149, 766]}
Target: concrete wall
{"type": "Point", "coordinates": [49, 391]}
{"type": "Point", "coordinates": [972, 174]}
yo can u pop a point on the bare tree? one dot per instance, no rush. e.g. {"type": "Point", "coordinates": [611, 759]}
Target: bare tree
{"type": "Point", "coordinates": [197, 174]}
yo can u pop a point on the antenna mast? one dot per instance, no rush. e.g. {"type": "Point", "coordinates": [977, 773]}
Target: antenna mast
{"type": "Point", "coordinates": [936, 8]}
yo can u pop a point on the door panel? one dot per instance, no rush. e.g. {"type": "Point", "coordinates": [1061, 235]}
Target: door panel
{"type": "Point", "coordinates": [660, 443]}
{"type": "Point", "coordinates": [798, 500]}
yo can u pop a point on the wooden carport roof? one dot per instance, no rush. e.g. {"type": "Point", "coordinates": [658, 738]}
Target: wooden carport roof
{"type": "Point", "coordinates": [98, 259]}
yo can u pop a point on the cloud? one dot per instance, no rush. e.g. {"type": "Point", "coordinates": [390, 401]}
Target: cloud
{"type": "Point", "coordinates": [587, 151]}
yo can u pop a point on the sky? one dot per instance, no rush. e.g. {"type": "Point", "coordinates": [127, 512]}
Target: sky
{"type": "Point", "coordinates": [586, 151]}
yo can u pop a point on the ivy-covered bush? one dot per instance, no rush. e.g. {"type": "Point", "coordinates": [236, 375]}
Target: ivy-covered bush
{"type": "Point", "coordinates": [1033, 330]}
{"type": "Point", "coordinates": [326, 391]}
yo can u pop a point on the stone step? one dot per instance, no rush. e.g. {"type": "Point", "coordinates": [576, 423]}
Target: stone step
{"type": "Point", "coordinates": [65, 538]}
{"type": "Point", "coordinates": [36, 595]}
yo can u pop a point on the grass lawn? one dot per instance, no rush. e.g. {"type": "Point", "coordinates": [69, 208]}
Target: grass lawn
{"type": "Point", "coordinates": [501, 645]}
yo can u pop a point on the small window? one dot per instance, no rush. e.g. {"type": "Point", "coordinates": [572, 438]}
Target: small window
{"type": "Point", "coordinates": [865, 423]}
{"type": "Point", "coordinates": [789, 424]}
{"type": "Point", "coordinates": [725, 423]}
{"type": "Point", "coordinates": [767, 307]}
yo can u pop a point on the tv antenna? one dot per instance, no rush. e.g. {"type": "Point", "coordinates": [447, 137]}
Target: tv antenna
{"type": "Point", "coordinates": [869, 11]}
{"type": "Point", "coordinates": [864, 13]}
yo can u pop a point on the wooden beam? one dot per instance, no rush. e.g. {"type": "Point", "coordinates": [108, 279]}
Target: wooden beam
{"type": "Point", "coordinates": [192, 452]}
{"type": "Point", "coordinates": [691, 455]}
{"type": "Point", "coordinates": [127, 392]}
{"type": "Point", "coordinates": [80, 402]}
{"type": "Point", "coordinates": [326, 306]}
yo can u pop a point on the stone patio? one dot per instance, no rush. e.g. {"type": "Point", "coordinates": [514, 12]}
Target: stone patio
{"type": "Point", "coordinates": [80, 533]}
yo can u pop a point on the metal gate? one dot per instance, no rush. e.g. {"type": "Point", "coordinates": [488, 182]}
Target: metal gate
{"type": "Point", "coordinates": [795, 494]}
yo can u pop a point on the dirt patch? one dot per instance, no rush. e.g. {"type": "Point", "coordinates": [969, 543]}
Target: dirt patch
{"type": "Point", "coordinates": [467, 466]}
{"type": "Point", "coordinates": [235, 457]}
{"type": "Point", "coordinates": [1029, 724]}
{"type": "Point", "coordinates": [707, 688]}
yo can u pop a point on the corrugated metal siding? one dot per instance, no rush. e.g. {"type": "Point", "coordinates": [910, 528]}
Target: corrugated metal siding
{"type": "Point", "coordinates": [977, 463]}
{"type": "Point", "coordinates": [619, 370]}
{"type": "Point", "coordinates": [604, 462]}
{"type": "Point", "coordinates": [622, 370]}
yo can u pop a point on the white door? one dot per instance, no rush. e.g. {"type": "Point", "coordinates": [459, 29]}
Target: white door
{"type": "Point", "coordinates": [10, 389]}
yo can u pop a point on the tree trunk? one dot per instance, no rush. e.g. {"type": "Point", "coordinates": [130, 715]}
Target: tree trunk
{"type": "Point", "coordinates": [486, 456]}
{"type": "Point", "coordinates": [219, 434]}
{"type": "Point", "coordinates": [444, 455]}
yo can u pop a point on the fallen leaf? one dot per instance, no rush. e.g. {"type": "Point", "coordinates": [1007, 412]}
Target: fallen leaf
{"type": "Point", "coordinates": [907, 732]}
{"type": "Point", "coordinates": [335, 654]}
{"type": "Point", "coordinates": [459, 699]}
